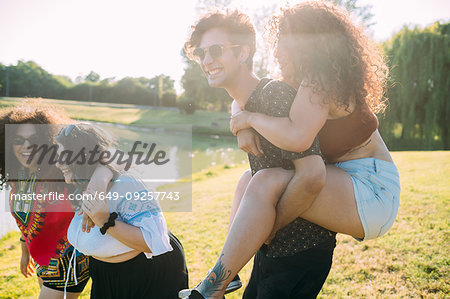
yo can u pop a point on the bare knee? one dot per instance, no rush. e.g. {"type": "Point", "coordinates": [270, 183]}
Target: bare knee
{"type": "Point", "coordinates": [244, 180]}
{"type": "Point", "coordinates": [314, 181]}
{"type": "Point", "coordinates": [268, 184]}
{"type": "Point", "coordinates": [311, 175]}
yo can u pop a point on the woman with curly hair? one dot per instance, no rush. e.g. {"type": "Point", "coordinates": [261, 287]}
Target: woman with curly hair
{"type": "Point", "coordinates": [43, 223]}
{"type": "Point", "coordinates": [338, 75]}
{"type": "Point", "coordinates": [131, 252]}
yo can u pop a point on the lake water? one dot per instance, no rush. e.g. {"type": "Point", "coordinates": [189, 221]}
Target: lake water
{"type": "Point", "coordinates": [214, 150]}
{"type": "Point", "coordinates": [205, 150]}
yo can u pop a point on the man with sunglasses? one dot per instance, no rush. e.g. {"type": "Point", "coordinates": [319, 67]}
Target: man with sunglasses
{"type": "Point", "coordinates": [297, 261]}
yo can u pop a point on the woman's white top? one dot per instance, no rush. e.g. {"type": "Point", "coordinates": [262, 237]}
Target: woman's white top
{"type": "Point", "coordinates": [145, 214]}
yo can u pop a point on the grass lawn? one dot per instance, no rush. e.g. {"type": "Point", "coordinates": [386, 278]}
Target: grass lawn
{"type": "Point", "coordinates": [410, 261]}
{"type": "Point", "coordinates": [203, 122]}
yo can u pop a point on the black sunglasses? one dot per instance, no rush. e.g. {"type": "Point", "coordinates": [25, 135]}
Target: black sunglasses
{"type": "Point", "coordinates": [19, 140]}
{"type": "Point", "coordinates": [215, 51]}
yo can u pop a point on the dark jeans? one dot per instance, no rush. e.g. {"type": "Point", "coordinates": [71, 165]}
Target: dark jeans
{"type": "Point", "coordinates": [298, 276]}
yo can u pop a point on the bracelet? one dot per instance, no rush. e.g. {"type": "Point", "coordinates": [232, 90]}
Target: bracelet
{"type": "Point", "coordinates": [22, 239]}
{"type": "Point", "coordinates": [110, 223]}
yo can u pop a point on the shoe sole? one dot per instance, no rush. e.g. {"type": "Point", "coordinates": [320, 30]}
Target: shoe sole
{"type": "Point", "coordinates": [184, 293]}
{"type": "Point", "coordinates": [233, 286]}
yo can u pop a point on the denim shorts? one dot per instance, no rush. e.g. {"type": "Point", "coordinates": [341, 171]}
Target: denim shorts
{"type": "Point", "coordinates": [376, 184]}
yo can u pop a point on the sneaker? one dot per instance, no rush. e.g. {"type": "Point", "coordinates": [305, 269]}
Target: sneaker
{"type": "Point", "coordinates": [234, 285]}
{"type": "Point", "coordinates": [190, 293]}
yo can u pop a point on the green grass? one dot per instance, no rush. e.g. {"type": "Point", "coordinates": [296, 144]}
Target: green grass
{"type": "Point", "coordinates": [203, 122]}
{"type": "Point", "coordinates": [410, 261]}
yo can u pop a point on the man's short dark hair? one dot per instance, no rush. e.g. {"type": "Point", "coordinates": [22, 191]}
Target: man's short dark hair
{"type": "Point", "coordinates": [237, 24]}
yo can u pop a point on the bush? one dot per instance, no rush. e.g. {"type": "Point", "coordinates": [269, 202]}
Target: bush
{"type": "Point", "coordinates": [186, 106]}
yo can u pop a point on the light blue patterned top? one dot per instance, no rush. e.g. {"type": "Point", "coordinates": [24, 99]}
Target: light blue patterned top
{"type": "Point", "coordinates": [135, 210]}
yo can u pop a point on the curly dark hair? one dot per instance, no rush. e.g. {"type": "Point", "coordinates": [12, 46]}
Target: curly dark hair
{"type": "Point", "coordinates": [331, 54]}
{"type": "Point", "coordinates": [31, 111]}
{"type": "Point", "coordinates": [237, 24]}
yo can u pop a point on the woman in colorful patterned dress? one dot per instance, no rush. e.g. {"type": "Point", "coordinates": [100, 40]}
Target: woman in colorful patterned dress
{"type": "Point", "coordinates": [43, 223]}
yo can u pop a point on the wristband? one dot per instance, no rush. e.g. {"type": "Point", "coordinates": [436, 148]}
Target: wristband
{"type": "Point", "coordinates": [22, 239]}
{"type": "Point", "coordinates": [110, 223]}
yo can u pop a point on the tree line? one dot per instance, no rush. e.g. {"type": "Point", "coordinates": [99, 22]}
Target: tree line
{"type": "Point", "coordinates": [28, 79]}
{"type": "Point", "coordinates": [418, 115]}
{"type": "Point", "coordinates": [418, 90]}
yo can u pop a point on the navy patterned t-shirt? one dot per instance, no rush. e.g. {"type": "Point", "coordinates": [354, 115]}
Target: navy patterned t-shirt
{"type": "Point", "coordinates": [274, 98]}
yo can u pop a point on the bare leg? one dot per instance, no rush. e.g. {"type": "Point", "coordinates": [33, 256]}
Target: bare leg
{"type": "Point", "coordinates": [251, 226]}
{"type": "Point", "coordinates": [308, 181]}
{"type": "Point", "coordinates": [54, 294]}
{"type": "Point", "coordinates": [238, 194]}
{"type": "Point", "coordinates": [47, 293]}
{"type": "Point", "coordinates": [334, 208]}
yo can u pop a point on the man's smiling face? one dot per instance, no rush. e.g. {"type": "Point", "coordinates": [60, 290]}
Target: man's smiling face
{"type": "Point", "coordinates": [220, 71]}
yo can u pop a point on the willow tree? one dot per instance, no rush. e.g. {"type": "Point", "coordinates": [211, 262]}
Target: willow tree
{"type": "Point", "coordinates": [419, 91]}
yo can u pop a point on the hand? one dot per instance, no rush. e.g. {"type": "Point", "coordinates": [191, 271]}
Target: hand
{"type": "Point", "coordinates": [249, 142]}
{"type": "Point", "coordinates": [97, 210]}
{"type": "Point", "coordinates": [86, 222]}
{"type": "Point", "coordinates": [26, 266]}
{"type": "Point", "coordinates": [239, 121]}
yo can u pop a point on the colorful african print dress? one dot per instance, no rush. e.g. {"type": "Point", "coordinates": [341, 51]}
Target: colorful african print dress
{"type": "Point", "coordinates": [44, 228]}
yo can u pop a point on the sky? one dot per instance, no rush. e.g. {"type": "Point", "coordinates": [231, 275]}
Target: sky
{"type": "Point", "coordinates": [121, 38]}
